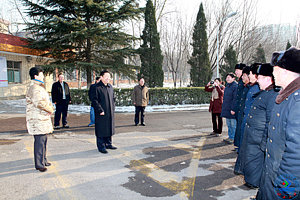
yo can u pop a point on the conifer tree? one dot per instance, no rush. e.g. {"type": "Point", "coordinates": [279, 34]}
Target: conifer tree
{"type": "Point", "coordinates": [201, 71]}
{"type": "Point", "coordinates": [230, 59]}
{"type": "Point", "coordinates": [259, 56]}
{"type": "Point", "coordinates": [150, 52]}
{"type": "Point", "coordinates": [84, 34]}
{"type": "Point", "coordinates": [288, 45]}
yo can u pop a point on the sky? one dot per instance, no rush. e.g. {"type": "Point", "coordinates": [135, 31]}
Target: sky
{"type": "Point", "coordinates": [268, 11]}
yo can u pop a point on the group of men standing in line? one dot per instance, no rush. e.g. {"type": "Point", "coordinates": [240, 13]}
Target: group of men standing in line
{"type": "Point", "coordinates": [267, 133]}
{"type": "Point", "coordinates": [262, 113]}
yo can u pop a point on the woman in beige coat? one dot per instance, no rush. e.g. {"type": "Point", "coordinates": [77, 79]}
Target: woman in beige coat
{"type": "Point", "coordinates": [38, 116]}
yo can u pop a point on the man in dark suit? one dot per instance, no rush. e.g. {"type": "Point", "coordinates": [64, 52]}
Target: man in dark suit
{"type": "Point", "coordinates": [61, 98]}
{"type": "Point", "coordinates": [103, 102]}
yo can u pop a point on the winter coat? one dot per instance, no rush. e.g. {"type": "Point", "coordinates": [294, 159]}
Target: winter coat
{"type": "Point", "coordinates": [91, 90]}
{"type": "Point", "coordinates": [140, 96]}
{"type": "Point", "coordinates": [215, 105]}
{"type": "Point", "coordinates": [38, 107]}
{"type": "Point", "coordinates": [240, 115]}
{"type": "Point", "coordinates": [229, 100]}
{"type": "Point", "coordinates": [253, 89]}
{"type": "Point", "coordinates": [255, 135]}
{"type": "Point", "coordinates": [239, 93]}
{"type": "Point", "coordinates": [103, 100]}
{"type": "Point", "coordinates": [57, 92]}
{"type": "Point", "coordinates": [282, 161]}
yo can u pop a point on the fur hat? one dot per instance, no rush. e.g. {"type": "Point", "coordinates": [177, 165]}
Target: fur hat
{"type": "Point", "coordinates": [265, 70]}
{"type": "Point", "coordinates": [240, 66]}
{"type": "Point", "coordinates": [289, 59]}
{"type": "Point", "coordinates": [246, 70]}
{"type": "Point", "coordinates": [254, 67]}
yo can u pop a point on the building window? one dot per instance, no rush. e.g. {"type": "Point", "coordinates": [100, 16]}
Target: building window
{"type": "Point", "coordinates": [14, 72]}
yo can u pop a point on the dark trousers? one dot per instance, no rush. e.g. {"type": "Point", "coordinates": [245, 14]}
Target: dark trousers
{"type": "Point", "coordinates": [40, 143]}
{"type": "Point", "coordinates": [103, 142]}
{"type": "Point", "coordinates": [138, 110]}
{"type": "Point", "coordinates": [217, 125]}
{"type": "Point", "coordinates": [61, 110]}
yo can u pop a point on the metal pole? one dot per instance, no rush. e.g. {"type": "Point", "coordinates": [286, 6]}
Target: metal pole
{"type": "Point", "coordinates": [218, 51]}
{"type": "Point", "coordinates": [228, 16]}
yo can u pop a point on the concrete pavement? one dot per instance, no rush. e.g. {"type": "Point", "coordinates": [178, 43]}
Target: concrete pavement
{"type": "Point", "coordinates": [173, 157]}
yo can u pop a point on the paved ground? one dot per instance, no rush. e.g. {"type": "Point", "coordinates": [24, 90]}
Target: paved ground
{"type": "Point", "coordinates": [173, 157]}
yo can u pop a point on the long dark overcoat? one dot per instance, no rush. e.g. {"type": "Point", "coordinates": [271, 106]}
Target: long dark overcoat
{"type": "Point", "coordinates": [282, 161]}
{"type": "Point", "coordinates": [255, 135]}
{"type": "Point", "coordinates": [253, 89]}
{"type": "Point", "coordinates": [229, 100]}
{"type": "Point", "coordinates": [239, 114]}
{"type": "Point", "coordinates": [103, 100]}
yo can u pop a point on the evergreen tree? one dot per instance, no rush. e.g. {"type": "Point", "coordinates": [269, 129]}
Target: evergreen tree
{"type": "Point", "coordinates": [230, 61]}
{"type": "Point", "coordinates": [259, 56]}
{"type": "Point", "coordinates": [201, 71]}
{"type": "Point", "coordinates": [288, 45]}
{"type": "Point", "coordinates": [150, 52]}
{"type": "Point", "coordinates": [85, 34]}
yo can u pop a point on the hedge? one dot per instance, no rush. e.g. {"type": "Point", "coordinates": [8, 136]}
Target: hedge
{"type": "Point", "coordinates": [158, 96]}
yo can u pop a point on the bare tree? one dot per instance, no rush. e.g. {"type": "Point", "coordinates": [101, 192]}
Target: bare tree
{"type": "Point", "coordinates": [176, 37]}
{"type": "Point", "coordinates": [298, 35]}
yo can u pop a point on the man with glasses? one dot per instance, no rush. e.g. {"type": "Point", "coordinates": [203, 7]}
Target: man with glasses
{"type": "Point", "coordinates": [281, 176]}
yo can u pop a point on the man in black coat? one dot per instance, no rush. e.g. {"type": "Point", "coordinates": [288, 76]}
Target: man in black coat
{"type": "Point", "coordinates": [103, 102]}
{"type": "Point", "coordinates": [61, 98]}
{"type": "Point", "coordinates": [92, 112]}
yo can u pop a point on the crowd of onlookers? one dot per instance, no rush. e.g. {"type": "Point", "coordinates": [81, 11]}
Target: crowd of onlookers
{"type": "Point", "coordinates": [261, 104]}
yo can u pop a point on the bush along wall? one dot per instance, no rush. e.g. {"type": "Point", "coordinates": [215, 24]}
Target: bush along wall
{"type": "Point", "coordinates": [157, 96]}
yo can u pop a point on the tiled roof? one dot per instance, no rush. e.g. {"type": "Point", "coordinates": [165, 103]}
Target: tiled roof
{"type": "Point", "coordinates": [12, 40]}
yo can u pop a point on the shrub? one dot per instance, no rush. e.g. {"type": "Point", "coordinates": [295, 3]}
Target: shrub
{"type": "Point", "coordinates": [157, 96]}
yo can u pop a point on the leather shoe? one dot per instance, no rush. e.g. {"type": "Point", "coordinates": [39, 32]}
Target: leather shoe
{"type": "Point", "coordinates": [103, 151]}
{"type": "Point", "coordinates": [41, 169]}
{"type": "Point", "coordinates": [47, 164]}
{"type": "Point", "coordinates": [237, 173]}
{"type": "Point", "coordinates": [143, 124]}
{"type": "Point", "coordinates": [250, 186]}
{"type": "Point", "coordinates": [111, 147]}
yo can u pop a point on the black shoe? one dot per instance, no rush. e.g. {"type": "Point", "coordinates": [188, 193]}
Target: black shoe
{"type": "Point", "coordinates": [56, 127]}
{"type": "Point", "coordinates": [103, 151]}
{"type": "Point", "coordinates": [213, 133]}
{"type": "Point", "coordinates": [136, 124]}
{"type": "Point", "coordinates": [41, 169]}
{"type": "Point", "coordinates": [66, 126]}
{"type": "Point", "coordinates": [237, 173]}
{"type": "Point", "coordinates": [250, 186]}
{"type": "Point", "coordinates": [47, 164]}
{"type": "Point", "coordinates": [143, 124]}
{"type": "Point", "coordinates": [111, 147]}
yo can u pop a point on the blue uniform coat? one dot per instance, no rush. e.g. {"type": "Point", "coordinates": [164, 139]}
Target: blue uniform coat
{"type": "Point", "coordinates": [255, 135]}
{"type": "Point", "coordinates": [253, 89]}
{"type": "Point", "coordinates": [239, 113]}
{"type": "Point", "coordinates": [281, 174]}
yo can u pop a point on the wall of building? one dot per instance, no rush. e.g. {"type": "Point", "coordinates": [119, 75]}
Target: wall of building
{"type": "Point", "coordinates": [18, 90]}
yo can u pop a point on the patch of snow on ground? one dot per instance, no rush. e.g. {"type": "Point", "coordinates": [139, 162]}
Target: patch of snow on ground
{"type": "Point", "coordinates": [19, 106]}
